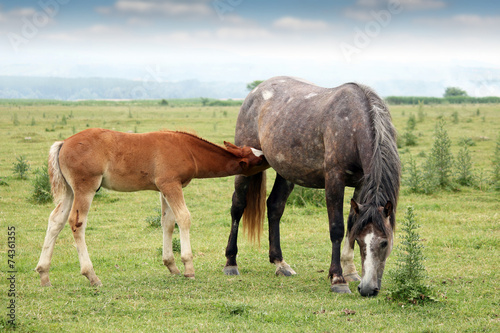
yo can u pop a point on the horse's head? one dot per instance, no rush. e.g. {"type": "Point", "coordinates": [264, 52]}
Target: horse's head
{"type": "Point", "coordinates": [372, 228]}
{"type": "Point", "coordinates": [251, 160]}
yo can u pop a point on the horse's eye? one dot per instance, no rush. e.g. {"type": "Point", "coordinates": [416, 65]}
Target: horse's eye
{"type": "Point", "coordinates": [383, 244]}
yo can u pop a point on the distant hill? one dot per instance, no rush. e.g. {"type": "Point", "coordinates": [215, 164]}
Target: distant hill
{"type": "Point", "coordinates": [21, 87]}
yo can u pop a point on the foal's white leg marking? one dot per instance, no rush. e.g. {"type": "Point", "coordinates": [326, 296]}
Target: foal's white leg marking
{"type": "Point", "coordinates": [257, 152]}
{"type": "Point", "coordinates": [369, 264]}
{"type": "Point", "coordinates": [57, 220]}
{"type": "Point", "coordinates": [82, 207]}
{"type": "Point", "coordinates": [168, 224]}
{"type": "Point", "coordinates": [266, 94]}
{"type": "Point", "coordinates": [175, 199]}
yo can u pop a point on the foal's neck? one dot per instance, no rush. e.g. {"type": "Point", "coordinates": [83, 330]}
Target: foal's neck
{"type": "Point", "coordinates": [212, 160]}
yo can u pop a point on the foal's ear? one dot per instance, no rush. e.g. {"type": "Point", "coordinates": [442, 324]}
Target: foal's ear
{"type": "Point", "coordinates": [244, 164]}
{"type": "Point", "coordinates": [233, 149]}
{"type": "Point", "coordinates": [355, 206]}
{"type": "Point", "coordinates": [230, 145]}
{"type": "Point", "coordinates": [388, 209]}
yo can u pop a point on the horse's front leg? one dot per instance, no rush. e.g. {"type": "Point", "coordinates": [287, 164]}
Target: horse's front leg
{"type": "Point", "coordinates": [347, 261]}
{"type": "Point", "coordinates": [347, 255]}
{"type": "Point", "coordinates": [334, 201]}
{"type": "Point", "coordinates": [275, 208]}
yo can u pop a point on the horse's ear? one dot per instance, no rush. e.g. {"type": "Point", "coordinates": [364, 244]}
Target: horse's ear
{"type": "Point", "coordinates": [355, 206]}
{"type": "Point", "coordinates": [388, 209]}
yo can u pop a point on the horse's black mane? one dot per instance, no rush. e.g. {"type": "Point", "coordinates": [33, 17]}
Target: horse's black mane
{"type": "Point", "coordinates": [381, 183]}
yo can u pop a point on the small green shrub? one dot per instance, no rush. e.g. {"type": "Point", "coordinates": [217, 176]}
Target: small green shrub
{"type": "Point", "coordinates": [438, 167]}
{"type": "Point", "coordinates": [304, 196]}
{"type": "Point", "coordinates": [496, 165]}
{"type": "Point", "coordinates": [21, 167]}
{"type": "Point", "coordinates": [413, 176]}
{"type": "Point", "coordinates": [3, 182]}
{"type": "Point", "coordinates": [41, 186]}
{"type": "Point", "coordinates": [154, 221]}
{"type": "Point", "coordinates": [409, 276]}
{"type": "Point", "coordinates": [463, 167]}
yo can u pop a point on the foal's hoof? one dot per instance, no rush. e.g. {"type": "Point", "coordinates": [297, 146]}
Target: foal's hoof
{"type": "Point", "coordinates": [340, 288]}
{"type": "Point", "coordinates": [189, 276]}
{"type": "Point", "coordinates": [352, 277]}
{"type": "Point", "coordinates": [231, 270]}
{"type": "Point", "coordinates": [96, 283]}
{"type": "Point", "coordinates": [45, 284]}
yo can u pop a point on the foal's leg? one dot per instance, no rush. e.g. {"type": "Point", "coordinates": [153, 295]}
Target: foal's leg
{"type": "Point", "coordinates": [175, 199]}
{"type": "Point", "coordinates": [168, 224]}
{"type": "Point", "coordinates": [78, 223]}
{"type": "Point", "coordinates": [239, 203]}
{"type": "Point", "coordinates": [57, 220]}
{"type": "Point", "coordinates": [275, 208]}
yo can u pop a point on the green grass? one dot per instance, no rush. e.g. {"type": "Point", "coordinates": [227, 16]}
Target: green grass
{"type": "Point", "coordinates": [459, 231]}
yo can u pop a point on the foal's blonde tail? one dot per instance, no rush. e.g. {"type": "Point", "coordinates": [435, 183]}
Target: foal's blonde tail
{"type": "Point", "coordinates": [254, 214]}
{"type": "Point", "coordinates": [58, 184]}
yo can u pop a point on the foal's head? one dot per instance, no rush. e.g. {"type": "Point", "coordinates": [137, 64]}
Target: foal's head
{"type": "Point", "coordinates": [251, 160]}
{"type": "Point", "coordinates": [372, 228]}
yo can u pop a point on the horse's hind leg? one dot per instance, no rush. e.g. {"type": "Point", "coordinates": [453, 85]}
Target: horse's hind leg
{"type": "Point", "coordinates": [275, 208]}
{"type": "Point", "coordinates": [238, 205]}
{"type": "Point", "coordinates": [175, 199]}
{"type": "Point", "coordinates": [57, 220]}
{"type": "Point", "coordinates": [168, 224]}
{"type": "Point", "coordinates": [78, 223]}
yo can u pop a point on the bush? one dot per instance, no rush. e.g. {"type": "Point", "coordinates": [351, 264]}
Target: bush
{"type": "Point", "coordinates": [41, 186]}
{"type": "Point", "coordinates": [496, 165]}
{"type": "Point", "coordinates": [409, 275]}
{"type": "Point", "coordinates": [21, 167]}
{"type": "Point", "coordinates": [413, 176]}
{"type": "Point", "coordinates": [440, 161]}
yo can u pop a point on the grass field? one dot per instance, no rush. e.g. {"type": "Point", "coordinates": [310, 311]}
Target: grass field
{"type": "Point", "coordinates": [459, 229]}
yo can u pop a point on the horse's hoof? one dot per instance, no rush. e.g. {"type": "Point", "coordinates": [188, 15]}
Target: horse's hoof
{"type": "Point", "coordinates": [285, 271]}
{"type": "Point", "coordinates": [231, 270]}
{"type": "Point", "coordinates": [340, 288]}
{"type": "Point", "coordinates": [189, 276]}
{"type": "Point", "coordinates": [352, 277]}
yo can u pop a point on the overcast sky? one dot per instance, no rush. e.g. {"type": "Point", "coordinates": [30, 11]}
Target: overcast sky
{"type": "Point", "coordinates": [323, 41]}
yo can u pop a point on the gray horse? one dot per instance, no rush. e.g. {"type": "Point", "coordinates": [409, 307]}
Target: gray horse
{"type": "Point", "coordinates": [321, 138]}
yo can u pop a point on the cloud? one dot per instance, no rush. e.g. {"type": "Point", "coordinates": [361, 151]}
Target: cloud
{"type": "Point", "coordinates": [296, 24]}
{"type": "Point", "coordinates": [421, 4]}
{"type": "Point", "coordinates": [464, 22]}
{"type": "Point", "coordinates": [164, 8]}
{"type": "Point", "coordinates": [363, 9]}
